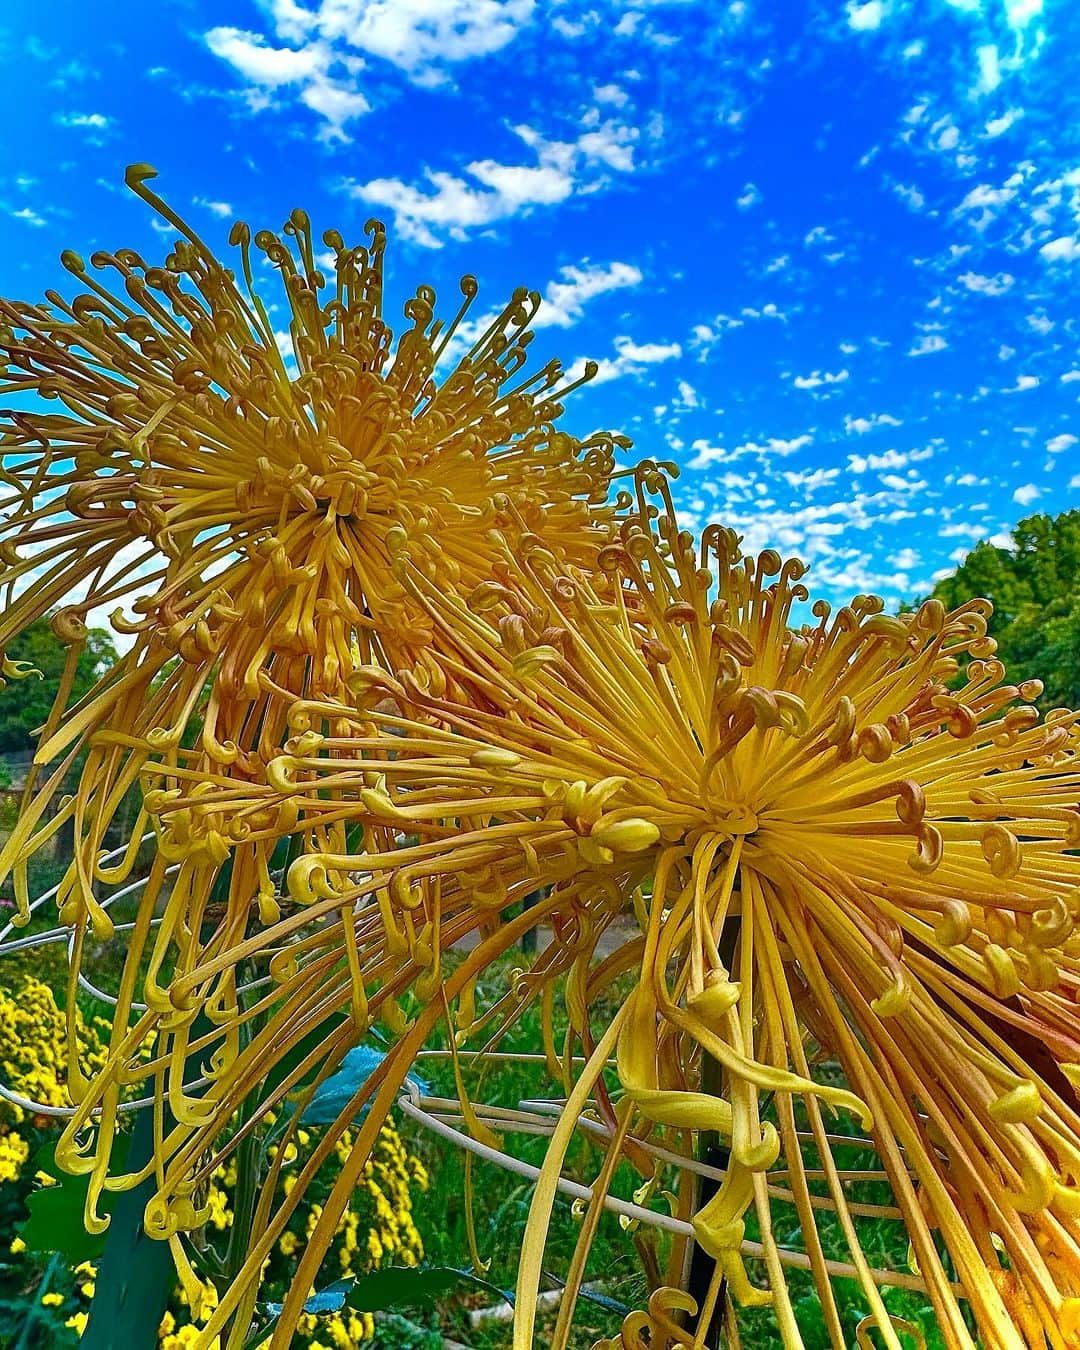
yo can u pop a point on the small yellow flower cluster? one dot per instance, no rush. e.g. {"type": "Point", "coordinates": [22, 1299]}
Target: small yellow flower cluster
{"type": "Point", "coordinates": [14, 1151]}
{"type": "Point", "coordinates": [339, 1331]}
{"type": "Point", "coordinates": [33, 1047]}
{"type": "Point", "coordinates": [384, 1209]}
{"type": "Point", "coordinates": [176, 1335]}
{"type": "Point", "coordinates": [387, 1184]}
{"type": "Point", "coordinates": [221, 1216]}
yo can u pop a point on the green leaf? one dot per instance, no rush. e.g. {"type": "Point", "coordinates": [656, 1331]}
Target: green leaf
{"type": "Point", "coordinates": [55, 1222]}
{"type": "Point", "coordinates": [380, 1291]}
{"type": "Point", "coordinates": [333, 1095]}
{"type": "Point", "coordinates": [401, 1286]}
{"type": "Point", "coordinates": [328, 1300]}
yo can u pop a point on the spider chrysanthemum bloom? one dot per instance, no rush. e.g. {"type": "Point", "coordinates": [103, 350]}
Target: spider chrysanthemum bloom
{"type": "Point", "coordinates": [230, 461]}
{"type": "Point", "coordinates": [850, 852]}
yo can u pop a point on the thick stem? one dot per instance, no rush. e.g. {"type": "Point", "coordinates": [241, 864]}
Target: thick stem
{"type": "Point", "coordinates": [136, 1275]}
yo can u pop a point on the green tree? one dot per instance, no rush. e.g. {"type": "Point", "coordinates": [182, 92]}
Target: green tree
{"type": "Point", "coordinates": [25, 703]}
{"type": "Point", "coordinates": [1035, 589]}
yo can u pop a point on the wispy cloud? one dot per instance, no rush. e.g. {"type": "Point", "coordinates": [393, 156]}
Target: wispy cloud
{"type": "Point", "coordinates": [93, 122]}
{"type": "Point", "coordinates": [750, 196]}
{"type": "Point", "coordinates": [320, 54]}
{"type": "Point", "coordinates": [631, 358]}
{"type": "Point", "coordinates": [1066, 248]}
{"type": "Point", "coordinates": [489, 190]}
{"type": "Point", "coordinates": [220, 209]}
{"type": "Point", "coordinates": [866, 17]}
{"type": "Point", "coordinates": [998, 284]}
{"type": "Point", "coordinates": [859, 426]}
{"type": "Point", "coordinates": [27, 215]}
{"type": "Point", "coordinates": [817, 378]}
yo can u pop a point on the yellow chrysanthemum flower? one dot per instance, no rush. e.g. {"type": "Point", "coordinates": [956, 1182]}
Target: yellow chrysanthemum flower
{"type": "Point", "coordinates": [240, 487]}
{"type": "Point", "coordinates": [850, 850]}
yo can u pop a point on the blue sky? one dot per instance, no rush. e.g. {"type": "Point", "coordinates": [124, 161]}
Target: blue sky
{"type": "Point", "coordinates": [827, 254]}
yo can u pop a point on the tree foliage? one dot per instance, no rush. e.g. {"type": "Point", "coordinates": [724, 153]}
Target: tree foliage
{"type": "Point", "coordinates": [1035, 589]}
{"type": "Point", "coordinates": [25, 703]}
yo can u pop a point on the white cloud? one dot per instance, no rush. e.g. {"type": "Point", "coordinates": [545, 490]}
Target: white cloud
{"type": "Point", "coordinates": [84, 121]}
{"type": "Point", "coordinates": [1026, 495]}
{"type": "Point", "coordinates": [910, 196]}
{"type": "Point", "coordinates": [705, 335]}
{"type": "Point", "coordinates": [986, 200]}
{"type": "Point", "coordinates": [818, 235]}
{"type": "Point", "coordinates": [809, 480]}
{"type": "Point", "coordinates": [1056, 444]}
{"type": "Point", "coordinates": [631, 358]}
{"type": "Point", "coordinates": [565, 299]}
{"type": "Point", "coordinates": [1070, 376]}
{"type": "Point", "coordinates": [866, 17]}
{"type": "Point", "coordinates": [859, 426]}
{"type": "Point", "coordinates": [320, 52]}
{"type": "Point", "coordinates": [706, 454]}
{"type": "Point", "coordinates": [998, 284]}
{"type": "Point", "coordinates": [948, 138]}
{"type": "Point", "coordinates": [929, 342]}
{"type": "Point", "coordinates": [1023, 383]}
{"type": "Point", "coordinates": [1019, 13]}
{"type": "Point", "coordinates": [777, 445]}
{"type": "Point", "coordinates": [989, 68]}
{"type": "Point", "coordinates": [687, 396]}
{"type": "Point", "coordinates": [891, 459]}
{"type": "Point", "coordinates": [453, 205]}
{"type": "Point", "coordinates": [750, 196]}
{"type": "Point", "coordinates": [611, 93]}
{"type": "Point", "coordinates": [819, 377]}
{"type": "Point", "coordinates": [220, 209]}
{"type": "Point", "coordinates": [964, 530]}
{"type": "Point", "coordinates": [414, 35]}
{"type": "Point", "coordinates": [997, 126]}
{"type": "Point", "coordinates": [268, 67]}
{"type": "Point", "coordinates": [27, 216]}
{"type": "Point", "coordinates": [1064, 249]}
{"type": "Point", "coordinates": [895, 483]}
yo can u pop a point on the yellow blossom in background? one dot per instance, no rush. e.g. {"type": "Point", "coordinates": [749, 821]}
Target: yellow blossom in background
{"type": "Point", "coordinates": [377, 1228]}
{"type": "Point", "coordinates": [34, 1047]}
{"type": "Point", "coordinates": [14, 1151]}
{"type": "Point", "coordinates": [851, 851]}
